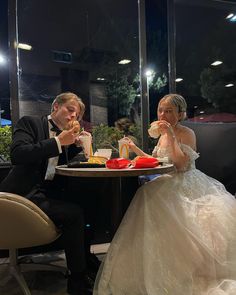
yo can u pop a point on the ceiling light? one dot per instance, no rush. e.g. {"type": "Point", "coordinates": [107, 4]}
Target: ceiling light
{"type": "Point", "coordinates": [233, 19]}
{"type": "Point", "coordinates": [24, 46]}
{"type": "Point", "coordinates": [124, 61]}
{"type": "Point", "coordinates": [149, 73]}
{"type": "Point", "coordinates": [179, 80]}
{"type": "Point", "coordinates": [229, 85]}
{"type": "Point", "coordinates": [2, 59]}
{"type": "Point", "coordinates": [229, 16]}
{"type": "Point", "coordinates": [216, 63]}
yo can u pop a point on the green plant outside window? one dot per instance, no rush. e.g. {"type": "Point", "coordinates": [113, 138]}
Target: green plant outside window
{"type": "Point", "coordinates": [5, 142]}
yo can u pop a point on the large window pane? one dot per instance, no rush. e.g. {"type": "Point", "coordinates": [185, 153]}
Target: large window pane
{"type": "Point", "coordinates": [205, 58]}
{"type": "Point", "coordinates": [4, 73]}
{"type": "Point", "coordinates": [157, 57]}
{"type": "Point", "coordinates": [77, 47]}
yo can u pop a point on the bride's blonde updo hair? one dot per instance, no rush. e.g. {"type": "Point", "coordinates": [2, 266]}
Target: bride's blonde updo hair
{"type": "Point", "coordinates": [178, 101]}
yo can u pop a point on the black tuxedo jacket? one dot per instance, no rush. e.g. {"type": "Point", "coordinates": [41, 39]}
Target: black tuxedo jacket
{"type": "Point", "coordinates": [30, 150]}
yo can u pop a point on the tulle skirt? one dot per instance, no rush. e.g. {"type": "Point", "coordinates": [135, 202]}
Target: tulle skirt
{"type": "Point", "coordinates": [178, 237]}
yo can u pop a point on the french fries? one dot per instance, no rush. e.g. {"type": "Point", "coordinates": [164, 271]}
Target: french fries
{"type": "Point", "coordinates": [97, 160]}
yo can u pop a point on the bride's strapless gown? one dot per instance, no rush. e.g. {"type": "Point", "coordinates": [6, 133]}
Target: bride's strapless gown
{"type": "Point", "coordinates": [178, 237]}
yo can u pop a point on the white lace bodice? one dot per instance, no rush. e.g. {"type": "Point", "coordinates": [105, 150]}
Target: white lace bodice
{"type": "Point", "coordinates": [177, 237]}
{"type": "Point", "coordinates": [159, 152]}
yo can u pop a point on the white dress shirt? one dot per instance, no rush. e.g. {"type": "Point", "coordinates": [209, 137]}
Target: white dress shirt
{"type": "Point", "coordinates": [52, 162]}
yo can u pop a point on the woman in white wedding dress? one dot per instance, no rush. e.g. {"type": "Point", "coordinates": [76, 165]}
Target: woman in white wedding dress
{"type": "Point", "coordinates": [178, 236]}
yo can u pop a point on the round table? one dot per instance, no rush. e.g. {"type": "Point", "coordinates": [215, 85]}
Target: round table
{"type": "Point", "coordinates": [105, 172]}
{"type": "Point", "coordinates": [116, 175]}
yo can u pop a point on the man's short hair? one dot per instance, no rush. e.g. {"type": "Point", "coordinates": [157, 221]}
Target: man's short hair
{"type": "Point", "coordinates": [66, 96]}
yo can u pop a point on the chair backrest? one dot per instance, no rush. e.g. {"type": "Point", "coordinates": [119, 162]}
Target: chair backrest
{"type": "Point", "coordinates": [216, 144]}
{"type": "Point", "coordinates": [23, 224]}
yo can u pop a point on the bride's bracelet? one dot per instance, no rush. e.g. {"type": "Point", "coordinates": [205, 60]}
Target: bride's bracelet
{"type": "Point", "coordinates": [172, 133]}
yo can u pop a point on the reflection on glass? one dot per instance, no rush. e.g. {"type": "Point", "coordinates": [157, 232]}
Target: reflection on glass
{"type": "Point", "coordinates": [93, 53]}
{"type": "Point", "coordinates": [205, 59]}
{"type": "Point", "coordinates": [5, 116]}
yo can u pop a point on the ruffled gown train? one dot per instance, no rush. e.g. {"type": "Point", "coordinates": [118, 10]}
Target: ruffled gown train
{"type": "Point", "coordinates": [178, 237]}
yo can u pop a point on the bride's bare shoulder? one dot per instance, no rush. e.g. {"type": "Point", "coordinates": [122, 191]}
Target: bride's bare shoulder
{"type": "Point", "coordinates": [187, 136]}
{"type": "Point", "coordinates": [186, 130]}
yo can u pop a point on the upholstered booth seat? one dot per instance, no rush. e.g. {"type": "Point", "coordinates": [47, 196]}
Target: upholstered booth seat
{"type": "Point", "coordinates": [22, 225]}
{"type": "Point", "coordinates": [216, 144]}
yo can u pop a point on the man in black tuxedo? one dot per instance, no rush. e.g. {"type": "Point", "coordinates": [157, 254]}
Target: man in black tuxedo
{"type": "Point", "coordinates": [39, 144]}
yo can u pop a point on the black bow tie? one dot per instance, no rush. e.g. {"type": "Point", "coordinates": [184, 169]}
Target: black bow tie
{"type": "Point", "coordinates": [54, 127]}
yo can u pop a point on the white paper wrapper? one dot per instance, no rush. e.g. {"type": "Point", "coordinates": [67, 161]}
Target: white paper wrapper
{"type": "Point", "coordinates": [154, 131]}
{"type": "Point", "coordinates": [103, 153]}
{"type": "Point", "coordinates": [86, 142]}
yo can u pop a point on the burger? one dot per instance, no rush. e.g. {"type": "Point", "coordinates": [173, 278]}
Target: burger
{"type": "Point", "coordinates": [72, 124]}
{"type": "Point", "coordinates": [154, 130]}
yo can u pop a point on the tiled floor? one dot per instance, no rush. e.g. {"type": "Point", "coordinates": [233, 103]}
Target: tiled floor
{"type": "Point", "coordinates": [41, 282]}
